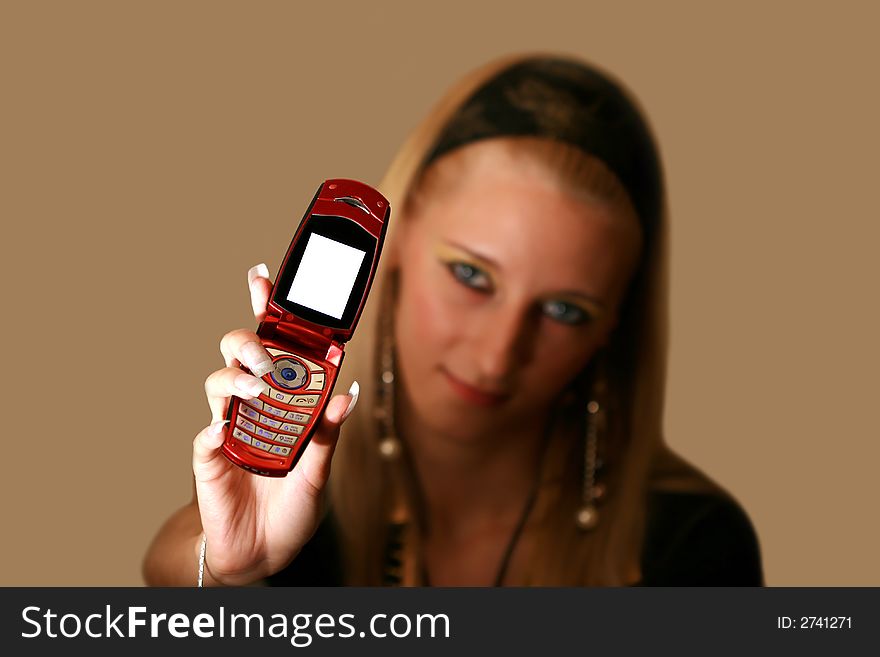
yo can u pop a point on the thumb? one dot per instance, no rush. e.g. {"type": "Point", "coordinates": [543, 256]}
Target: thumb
{"type": "Point", "coordinates": [208, 462]}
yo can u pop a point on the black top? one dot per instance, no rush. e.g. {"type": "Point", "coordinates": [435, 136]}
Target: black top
{"type": "Point", "coordinates": [692, 539]}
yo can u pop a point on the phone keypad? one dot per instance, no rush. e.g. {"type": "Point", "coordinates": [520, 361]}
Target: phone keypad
{"type": "Point", "coordinates": [263, 423]}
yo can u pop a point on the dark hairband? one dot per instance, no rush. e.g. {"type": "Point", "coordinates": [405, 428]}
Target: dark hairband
{"type": "Point", "coordinates": [569, 102]}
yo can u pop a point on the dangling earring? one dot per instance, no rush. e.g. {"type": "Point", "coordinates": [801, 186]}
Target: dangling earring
{"type": "Point", "coordinates": [389, 443]}
{"type": "Point", "coordinates": [588, 514]}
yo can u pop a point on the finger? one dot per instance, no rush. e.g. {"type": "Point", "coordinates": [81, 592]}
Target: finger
{"type": "Point", "coordinates": [313, 470]}
{"type": "Point", "coordinates": [244, 346]}
{"type": "Point", "coordinates": [207, 461]}
{"type": "Point", "coordinates": [260, 287]}
{"type": "Point", "coordinates": [229, 381]}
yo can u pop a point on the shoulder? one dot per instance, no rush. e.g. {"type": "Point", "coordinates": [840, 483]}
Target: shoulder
{"type": "Point", "coordinates": [699, 539]}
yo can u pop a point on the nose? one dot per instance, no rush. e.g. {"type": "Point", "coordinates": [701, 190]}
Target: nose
{"type": "Point", "coordinates": [503, 344]}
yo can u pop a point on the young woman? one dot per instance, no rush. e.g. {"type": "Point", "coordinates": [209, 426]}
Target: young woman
{"type": "Point", "coordinates": [511, 362]}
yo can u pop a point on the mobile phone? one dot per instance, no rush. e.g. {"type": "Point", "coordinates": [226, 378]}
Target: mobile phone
{"type": "Point", "coordinates": [312, 312]}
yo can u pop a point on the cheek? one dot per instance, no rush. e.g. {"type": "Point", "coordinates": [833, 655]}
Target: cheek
{"type": "Point", "coordinates": [558, 360]}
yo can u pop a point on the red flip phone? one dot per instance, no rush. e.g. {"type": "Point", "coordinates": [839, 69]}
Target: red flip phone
{"type": "Point", "coordinates": [312, 312]}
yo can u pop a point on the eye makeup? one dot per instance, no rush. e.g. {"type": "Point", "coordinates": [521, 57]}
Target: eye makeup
{"type": "Point", "coordinates": [467, 268]}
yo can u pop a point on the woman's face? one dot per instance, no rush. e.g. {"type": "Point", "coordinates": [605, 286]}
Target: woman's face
{"type": "Point", "coordinates": [508, 285]}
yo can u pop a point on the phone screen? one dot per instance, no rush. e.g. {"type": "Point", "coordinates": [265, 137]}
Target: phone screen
{"type": "Point", "coordinates": [326, 275]}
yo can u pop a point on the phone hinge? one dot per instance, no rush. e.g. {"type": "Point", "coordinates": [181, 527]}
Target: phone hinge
{"type": "Point", "coordinates": [322, 344]}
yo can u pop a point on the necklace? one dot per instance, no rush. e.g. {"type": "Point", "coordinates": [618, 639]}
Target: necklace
{"type": "Point", "coordinates": [511, 542]}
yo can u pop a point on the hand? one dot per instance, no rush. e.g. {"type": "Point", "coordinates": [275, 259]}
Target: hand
{"type": "Point", "coordinates": [256, 525]}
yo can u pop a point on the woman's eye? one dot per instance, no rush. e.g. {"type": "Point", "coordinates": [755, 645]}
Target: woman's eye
{"type": "Point", "coordinates": [470, 276]}
{"type": "Point", "coordinates": [566, 313]}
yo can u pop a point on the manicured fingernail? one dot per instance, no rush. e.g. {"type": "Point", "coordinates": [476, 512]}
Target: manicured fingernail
{"type": "Point", "coordinates": [354, 391]}
{"type": "Point", "coordinates": [256, 358]}
{"type": "Point", "coordinates": [260, 270]}
{"type": "Point", "coordinates": [215, 428]}
{"type": "Point", "coordinates": [251, 385]}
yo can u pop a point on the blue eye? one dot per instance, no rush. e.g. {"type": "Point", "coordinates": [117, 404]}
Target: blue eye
{"type": "Point", "coordinates": [470, 276]}
{"type": "Point", "coordinates": [566, 313]}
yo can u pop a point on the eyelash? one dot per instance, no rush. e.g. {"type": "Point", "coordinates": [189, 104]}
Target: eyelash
{"type": "Point", "coordinates": [558, 311]}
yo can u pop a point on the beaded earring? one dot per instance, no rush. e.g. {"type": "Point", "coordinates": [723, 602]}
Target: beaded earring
{"type": "Point", "coordinates": [389, 443]}
{"type": "Point", "coordinates": [587, 516]}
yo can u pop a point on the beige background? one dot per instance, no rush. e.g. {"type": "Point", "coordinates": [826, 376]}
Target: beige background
{"type": "Point", "coordinates": [152, 152]}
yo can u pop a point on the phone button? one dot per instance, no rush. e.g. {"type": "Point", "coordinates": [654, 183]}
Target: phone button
{"type": "Point", "coordinates": [244, 424]}
{"type": "Point", "coordinates": [259, 444]}
{"type": "Point", "coordinates": [268, 408]}
{"type": "Point", "coordinates": [244, 409]}
{"type": "Point", "coordinates": [295, 429]}
{"type": "Point", "coordinates": [279, 396]}
{"type": "Point", "coordinates": [317, 382]}
{"type": "Point", "coordinates": [287, 440]}
{"type": "Point", "coordinates": [298, 417]}
{"type": "Point", "coordinates": [289, 373]}
{"type": "Point", "coordinates": [242, 436]}
{"type": "Point", "coordinates": [262, 433]}
{"type": "Point", "coordinates": [305, 400]}
{"type": "Point", "coordinates": [281, 451]}
{"type": "Point", "coordinates": [268, 421]}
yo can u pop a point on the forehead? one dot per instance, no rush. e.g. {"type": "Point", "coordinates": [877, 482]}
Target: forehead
{"type": "Point", "coordinates": [511, 211]}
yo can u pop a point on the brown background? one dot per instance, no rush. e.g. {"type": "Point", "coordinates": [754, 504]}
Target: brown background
{"type": "Point", "coordinates": [152, 152]}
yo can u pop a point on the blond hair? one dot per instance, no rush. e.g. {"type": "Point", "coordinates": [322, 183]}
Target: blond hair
{"type": "Point", "coordinates": [366, 492]}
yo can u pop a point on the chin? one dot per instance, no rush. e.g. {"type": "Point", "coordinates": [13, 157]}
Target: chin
{"type": "Point", "coordinates": [462, 422]}
{"type": "Point", "coordinates": [462, 429]}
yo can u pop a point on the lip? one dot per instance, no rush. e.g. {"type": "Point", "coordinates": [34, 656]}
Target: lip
{"type": "Point", "coordinates": [474, 395]}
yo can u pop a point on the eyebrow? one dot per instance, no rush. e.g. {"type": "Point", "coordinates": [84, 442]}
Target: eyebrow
{"type": "Point", "coordinates": [481, 259]}
{"type": "Point", "coordinates": [563, 295]}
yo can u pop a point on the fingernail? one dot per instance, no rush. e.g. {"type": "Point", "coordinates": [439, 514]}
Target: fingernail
{"type": "Point", "coordinates": [250, 385]}
{"type": "Point", "coordinates": [256, 358]}
{"type": "Point", "coordinates": [260, 270]}
{"type": "Point", "coordinates": [354, 391]}
{"type": "Point", "coordinates": [215, 428]}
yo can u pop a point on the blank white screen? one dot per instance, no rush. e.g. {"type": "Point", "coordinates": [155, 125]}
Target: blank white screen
{"type": "Point", "coordinates": [326, 275]}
